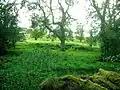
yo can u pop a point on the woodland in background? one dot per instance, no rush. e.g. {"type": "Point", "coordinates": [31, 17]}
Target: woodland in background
{"type": "Point", "coordinates": [107, 13]}
{"type": "Point", "coordinates": [50, 48]}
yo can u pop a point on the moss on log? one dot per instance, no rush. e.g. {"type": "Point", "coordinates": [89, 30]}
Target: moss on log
{"type": "Point", "coordinates": [103, 80]}
{"type": "Point", "coordinates": [108, 79]}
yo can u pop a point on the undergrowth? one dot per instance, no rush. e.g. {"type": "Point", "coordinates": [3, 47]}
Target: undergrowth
{"type": "Point", "coordinates": [28, 68]}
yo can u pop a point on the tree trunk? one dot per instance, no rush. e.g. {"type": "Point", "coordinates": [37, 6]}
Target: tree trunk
{"type": "Point", "coordinates": [103, 37]}
{"type": "Point", "coordinates": [35, 38]}
{"type": "Point", "coordinates": [91, 45]}
{"type": "Point", "coordinates": [62, 38]}
{"type": "Point", "coordinates": [13, 43]}
{"type": "Point", "coordinates": [80, 40]}
{"type": "Point", "coordinates": [62, 44]}
{"type": "Point", "coordinates": [2, 48]}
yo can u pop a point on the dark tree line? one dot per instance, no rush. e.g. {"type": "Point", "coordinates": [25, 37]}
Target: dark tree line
{"type": "Point", "coordinates": [9, 30]}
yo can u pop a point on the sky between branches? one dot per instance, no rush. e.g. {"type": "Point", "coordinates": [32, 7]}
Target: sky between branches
{"type": "Point", "coordinates": [78, 11]}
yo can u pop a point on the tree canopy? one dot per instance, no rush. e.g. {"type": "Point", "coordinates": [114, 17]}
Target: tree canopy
{"type": "Point", "coordinates": [108, 14]}
{"type": "Point", "coordinates": [8, 25]}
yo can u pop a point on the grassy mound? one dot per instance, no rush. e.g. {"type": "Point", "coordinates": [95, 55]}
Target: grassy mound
{"type": "Point", "coordinates": [103, 80]}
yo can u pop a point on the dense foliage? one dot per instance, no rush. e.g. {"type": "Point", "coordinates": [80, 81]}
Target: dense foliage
{"type": "Point", "coordinates": [109, 16]}
{"type": "Point", "coordinates": [36, 34]}
{"type": "Point", "coordinates": [29, 64]}
{"type": "Point", "coordinates": [8, 26]}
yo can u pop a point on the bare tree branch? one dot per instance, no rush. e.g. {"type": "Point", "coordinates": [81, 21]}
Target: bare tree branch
{"type": "Point", "coordinates": [104, 10]}
{"type": "Point", "coordinates": [63, 12]}
{"type": "Point", "coordinates": [96, 8]}
{"type": "Point", "coordinates": [45, 21]}
{"type": "Point", "coordinates": [68, 6]}
{"type": "Point", "coordinates": [51, 10]}
{"type": "Point", "coordinates": [69, 17]}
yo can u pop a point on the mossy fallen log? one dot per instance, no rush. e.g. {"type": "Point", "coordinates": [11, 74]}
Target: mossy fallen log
{"type": "Point", "coordinates": [103, 80]}
{"type": "Point", "coordinates": [108, 79]}
{"type": "Point", "coordinates": [69, 82]}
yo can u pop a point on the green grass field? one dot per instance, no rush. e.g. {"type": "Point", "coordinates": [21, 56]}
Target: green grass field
{"type": "Point", "coordinates": [31, 63]}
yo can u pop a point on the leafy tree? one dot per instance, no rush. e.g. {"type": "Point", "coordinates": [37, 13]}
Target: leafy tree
{"type": "Point", "coordinates": [36, 34]}
{"type": "Point", "coordinates": [108, 14]}
{"type": "Point", "coordinates": [38, 28]}
{"type": "Point", "coordinates": [92, 40]}
{"type": "Point", "coordinates": [69, 35]}
{"type": "Point", "coordinates": [94, 34]}
{"type": "Point", "coordinates": [80, 32]}
{"type": "Point", "coordinates": [8, 25]}
{"type": "Point", "coordinates": [28, 31]}
{"type": "Point", "coordinates": [49, 20]}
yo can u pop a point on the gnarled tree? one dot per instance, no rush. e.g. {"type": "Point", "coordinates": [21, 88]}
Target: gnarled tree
{"type": "Point", "coordinates": [109, 15]}
{"type": "Point", "coordinates": [54, 13]}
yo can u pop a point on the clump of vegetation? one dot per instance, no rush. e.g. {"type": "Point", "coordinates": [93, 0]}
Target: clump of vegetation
{"type": "Point", "coordinates": [103, 80]}
{"type": "Point", "coordinates": [9, 30]}
{"type": "Point", "coordinates": [115, 58]}
{"type": "Point", "coordinates": [109, 26]}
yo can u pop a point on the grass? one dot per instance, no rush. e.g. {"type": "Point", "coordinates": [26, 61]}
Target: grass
{"type": "Point", "coordinates": [31, 63]}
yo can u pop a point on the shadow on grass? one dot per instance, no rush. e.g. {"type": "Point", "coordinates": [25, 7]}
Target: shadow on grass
{"type": "Point", "coordinates": [14, 53]}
